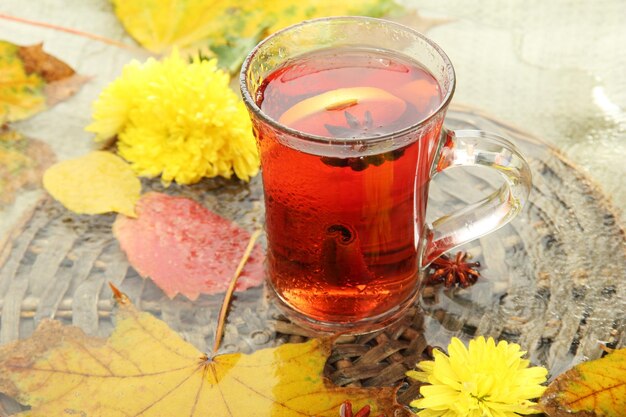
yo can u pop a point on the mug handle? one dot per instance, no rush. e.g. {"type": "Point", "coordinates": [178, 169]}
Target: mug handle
{"type": "Point", "coordinates": [478, 148]}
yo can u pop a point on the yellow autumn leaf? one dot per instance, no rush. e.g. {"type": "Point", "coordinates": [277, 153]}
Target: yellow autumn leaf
{"type": "Point", "coordinates": [22, 163]}
{"type": "Point", "coordinates": [591, 389]}
{"type": "Point", "coordinates": [161, 24]}
{"type": "Point", "coordinates": [31, 80]}
{"type": "Point", "coordinates": [99, 182]}
{"type": "Point", "coordinates": [21, 94]}
{"type": "Point", "coordinates": [145, 369]}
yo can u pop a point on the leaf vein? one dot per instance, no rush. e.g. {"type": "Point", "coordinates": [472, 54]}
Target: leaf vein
{"type": "Point", "coordinates": [126, 358]}
{"type": "Point", "coordinates": [195, 400]}
{"type": "Point", "coordinates": [85, 374]}
{"type": "Point", "coordinates": [273, 400]}
{"type": "Point", "coordinates": [134, 314]}
{"type": "Point", "coordinates": [178, 385]}
{"type": "Point", "coordinates": [219, 389]}
{"type": "Point", "coordinates": [93, 356]}
{"type": "Point", "coordinates": [593, 393]}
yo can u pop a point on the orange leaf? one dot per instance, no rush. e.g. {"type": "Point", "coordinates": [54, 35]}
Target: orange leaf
{"type": "Point", "coordinates": [146, 369]}
{"type": "Point", "coordinates": [591, 389]}
{"type": "Point", "coordinates": [46, 66]}
{"type": "Point", "coordinates": [31, 80]}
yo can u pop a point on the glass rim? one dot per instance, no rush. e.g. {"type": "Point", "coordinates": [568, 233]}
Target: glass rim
{"type": "Point", "coordinates": [252, 105]}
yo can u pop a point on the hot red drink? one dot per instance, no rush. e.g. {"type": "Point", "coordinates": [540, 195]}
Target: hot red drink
{"type": "Point", "coordinates": [343, 222]}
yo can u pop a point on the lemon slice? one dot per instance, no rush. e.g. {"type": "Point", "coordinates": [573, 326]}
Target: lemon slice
{"type": "Point", "coordinates": [341, 99]}
{"type": "Point", "coordinates": [419, 93]}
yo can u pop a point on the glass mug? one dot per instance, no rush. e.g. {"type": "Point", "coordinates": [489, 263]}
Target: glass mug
{"type": "Point", "coordinates": [348, 115]}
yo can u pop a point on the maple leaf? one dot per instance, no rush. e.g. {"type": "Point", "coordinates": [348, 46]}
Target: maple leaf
{"type": "Point", "coordinates": [159, 25]}
{"type": "Point", "coordinates": [31, 80]}
{"type": "Point", "coordinates": [591, 389]}
{"type": "Point", "coordinates": [22, 162]}
{"type": "Point", "coordinates": [184, 247]}
{"type": "Point", "coordinates": [98, 182]}
{"type": "Point", "coordinates": [145, 369]}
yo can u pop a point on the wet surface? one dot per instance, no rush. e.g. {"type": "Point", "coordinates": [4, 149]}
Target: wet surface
{"type": "Point", "coordinates": [550, 68]}
{"type": "Point", "coordinates": [552, 280]}
{"type": "Point", "coordinates": [548, 273]}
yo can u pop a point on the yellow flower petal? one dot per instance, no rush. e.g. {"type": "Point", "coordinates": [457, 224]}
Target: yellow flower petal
{"type": "Point", "coordinates": [418, 376]}
{"type": "Point", "coordinates": [485, 379]}
{"type": "Point", "coordinates": [179, 120]}
{"type": "Point", "coordinates": [429, 413]}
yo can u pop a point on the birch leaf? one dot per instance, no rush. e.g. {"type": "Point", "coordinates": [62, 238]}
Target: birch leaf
{"type": "Point", "coordinates": [99, 182]}
{"type": "Point", "coordinates": [591, 389]}
{"type": "Point", "coordinates": [32, 80]}
{"type": "Point", "coordinates": [145, 369]}
{"type": "Point", "coordinates": [186, 248]}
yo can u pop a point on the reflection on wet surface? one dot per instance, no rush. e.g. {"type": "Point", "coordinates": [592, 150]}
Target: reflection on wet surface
{"type": "Point", "coordinates": [550, 280]}
{"type": "Point", "coordinates": [554, 69]}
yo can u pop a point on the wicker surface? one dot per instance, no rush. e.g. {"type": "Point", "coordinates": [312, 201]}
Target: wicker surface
{"type": "Point", "coordinates": [552, 280]}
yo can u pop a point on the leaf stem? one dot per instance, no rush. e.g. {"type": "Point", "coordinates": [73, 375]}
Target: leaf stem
{"type": "Point", "coordinates": [119, 296]}
{"type": "Point", "coordinates": [67, 30]}
{"type": "Point", "coordinates": [231, 289]}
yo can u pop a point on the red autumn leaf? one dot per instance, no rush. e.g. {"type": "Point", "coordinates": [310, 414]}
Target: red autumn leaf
{"type": "Point", "coordinates": [185, 248]}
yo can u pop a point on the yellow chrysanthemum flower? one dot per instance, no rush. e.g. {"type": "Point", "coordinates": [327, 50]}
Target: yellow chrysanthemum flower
{"type": "Point", "coordinates": [486, 380]}
{"type": "Point", "coordinates": [177, 119]}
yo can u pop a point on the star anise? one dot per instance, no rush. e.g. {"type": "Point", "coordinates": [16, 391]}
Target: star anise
{"type": "Point", "coordinates": [346, 411]}
{"type": "Point", "coordinates": [355, 128]}
{"type": "Point", "coordinates": [359, 129]}
{"type": "Point", "coordinates": [453, 271]}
